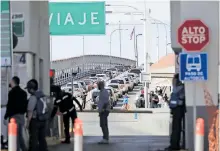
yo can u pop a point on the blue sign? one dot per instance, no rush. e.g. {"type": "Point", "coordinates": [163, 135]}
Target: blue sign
{"type": "Point", "coordinates": [193, 66]}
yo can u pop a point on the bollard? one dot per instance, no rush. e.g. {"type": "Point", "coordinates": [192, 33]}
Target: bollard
{"type": "Point", "coordinates": [78, 135]}
{"type": "Point", "coordinates": [199, 138]}
{"type": "Point", "coordinates": [12, 135]}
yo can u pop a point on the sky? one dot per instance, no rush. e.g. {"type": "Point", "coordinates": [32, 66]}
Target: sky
{"type": "Point", "coordinates": [70, 46]}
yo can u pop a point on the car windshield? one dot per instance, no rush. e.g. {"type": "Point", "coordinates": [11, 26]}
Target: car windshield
{"type": "Point", "coordinates": [112, 69]}
{"type": "Point", "coordinates": [114, 86]}
{"type": "Point", "coordinates": [137, 71]}
{"type": "Point", "coordinates": [121, 82]}
{"type": "Point", "coordinates": [76, 85]}
{"type": "Point", "coordinates": [93, 78]}
{"type": "Point", "coordinates": [88, 82]}
{"type": "Point", "coordinates": [114, 81]}
{"type": "Point", "coordinates": [100, 75]}
{"type": "Point", "coordinates": [69, 85]}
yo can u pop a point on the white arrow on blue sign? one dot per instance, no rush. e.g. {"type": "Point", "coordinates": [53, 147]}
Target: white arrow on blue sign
{"type": "Point", "coordinates": [193, 66]}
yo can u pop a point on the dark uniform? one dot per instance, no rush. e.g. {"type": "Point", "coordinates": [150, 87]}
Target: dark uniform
{"type": "Point", "coordinates": [178, 109]}
{"type": "Point", "coordinates": [66, 106]}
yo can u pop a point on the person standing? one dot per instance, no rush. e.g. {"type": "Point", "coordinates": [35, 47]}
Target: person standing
{"type": "Point", "coordinates": [37, 117]}
{"type": "Point", "coordinates": [64, 101]}
{"type": "Point", "coordinates": [16, 108]}
{"type": "Point", "coordinates": [104, 109]}
{"type": "Point", "coordinates": [178, 109]}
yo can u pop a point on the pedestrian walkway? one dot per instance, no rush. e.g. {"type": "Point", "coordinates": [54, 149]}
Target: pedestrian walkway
{"type": "Point", "coordinates": [119, 143]}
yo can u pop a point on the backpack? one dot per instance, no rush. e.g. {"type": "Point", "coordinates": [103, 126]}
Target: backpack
{"type": "Point", "coordinates": [42, 109]}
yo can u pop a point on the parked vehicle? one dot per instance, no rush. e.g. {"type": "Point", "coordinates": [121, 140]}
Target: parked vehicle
{"type": "Point", "coordinates": [84, 86]}
{"type": "Point", "coordinates": [136, 79]}
{"type": "Point", "coordinates": [78, 90]}
{"type": "Point", "coordinates": [116, 88]}
{"type": "Point", "coordinates": [102, 76]}
{"type": "Point", "coordinates": [94, 99]}
{"type": "Point", "coordinates": [67, 87]}
{"type": "Point", "coordinates": [113, 96]}
{"type": "Point", "coordinates": [129, 83]}
{"type": "Point", "coordinates": [88, 82]}
{"type": "Point", "coordinates": [94, 79]}
{"type": "Point", "coordinates": [122, 84]}
{"type": "Point", "coordinates": [114, 71]}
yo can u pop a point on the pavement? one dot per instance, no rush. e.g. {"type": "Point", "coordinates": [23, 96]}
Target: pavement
{"type": "Point", "coordinates": [129, 130]}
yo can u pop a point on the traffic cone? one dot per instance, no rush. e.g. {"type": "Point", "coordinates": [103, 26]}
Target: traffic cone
{"type": "Point", "coordinates": [12, 135]}
{"type": "Point", "coordinates": [199, 139]}
{"type": "Point", "coordinates": [78, 135]}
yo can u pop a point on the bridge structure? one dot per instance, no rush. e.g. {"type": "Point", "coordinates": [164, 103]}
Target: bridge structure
{"type": "Point", "coordinates": [85, 66]}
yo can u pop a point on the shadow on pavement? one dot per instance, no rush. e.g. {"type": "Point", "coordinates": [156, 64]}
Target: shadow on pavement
{"type": "Point", "coordinates": [119, 143]}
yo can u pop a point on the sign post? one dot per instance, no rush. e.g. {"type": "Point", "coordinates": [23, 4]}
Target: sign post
{"type": "Point", "coordinates": [193, 36]}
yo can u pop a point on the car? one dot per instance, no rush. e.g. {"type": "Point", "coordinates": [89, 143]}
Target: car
{"type": "Point", "coordinates": [84, 86]}
{"type": "Point", "coordinates": [94, 79]}
{"type": "Point", "coordinates": [136, 79]}
{"type": "Point", "coordinates": [113, 97]}
{"type": "Point", "coordinates": [122, 84]}
{"type": "Point", "coordinates": [67, 88]}
{"type": "Point", "coordinates": [88, 82]}
{"type": "Point", "coordinates": [102, 77]}
{"type": "Point", "coordinates": [78, 90]}
{"type": "Point", "coordinates": [136, 71]}
{"type": "Point", "coordinates": [117, 89]}
{"type": "Point", "coordinates": [114, 71]}
{"type": "Point", "coordinates": [130, 83]}
{"type": "Point", "coordinates": [94, 98]}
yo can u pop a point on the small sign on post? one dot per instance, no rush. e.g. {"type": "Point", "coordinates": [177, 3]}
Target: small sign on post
{"type": "Point", "coordinates": [145, 77]}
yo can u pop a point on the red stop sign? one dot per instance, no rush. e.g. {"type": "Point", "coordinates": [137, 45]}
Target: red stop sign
{"type": "Point", "coordinates": [193, 35]}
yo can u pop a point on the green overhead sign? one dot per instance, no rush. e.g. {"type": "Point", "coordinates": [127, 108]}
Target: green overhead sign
{"type": "Point", "coordinates": [6, 46]}
{"type": "Point", "coordinates": [77, 18]}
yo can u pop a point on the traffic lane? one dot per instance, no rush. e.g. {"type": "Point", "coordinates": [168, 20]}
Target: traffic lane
{"type": "Point", "coordinates": [132, 98]}
{"type": "Point", "coordinates": [123, 143]}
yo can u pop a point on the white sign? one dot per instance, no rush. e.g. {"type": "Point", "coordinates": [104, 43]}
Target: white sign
{"type": "Point", "coordinates": [195, 35]}
{"type": "Point", "coordinates": [145, 77]}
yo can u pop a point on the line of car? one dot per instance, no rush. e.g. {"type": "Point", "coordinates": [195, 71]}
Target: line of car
{"type": "Point", "coordinates": [117, 82]}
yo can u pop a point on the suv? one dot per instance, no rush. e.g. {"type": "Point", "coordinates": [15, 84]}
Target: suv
{"type": "Point", "coordinates": [122, 84]}
{"type": "Point", "coordinates": [116, 88]}
{"type": "Point", "coordinates": [130, 83]}
{"type": "Point", "coordinates": [113, 96]}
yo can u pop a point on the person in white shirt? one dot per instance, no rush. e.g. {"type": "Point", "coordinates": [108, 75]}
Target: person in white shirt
{"type": "Point", "coordinates": [160, 98]}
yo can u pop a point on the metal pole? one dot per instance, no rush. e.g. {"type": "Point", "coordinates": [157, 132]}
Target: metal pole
{"type": "Point", "coordinates": [136, 50]}
{"type": "Point", "coordinates": [83, 54]}
{"type": "Point", "coordinates": [147, 48]}
{"type": "Point", "coordinates": [51, 50]}
{"type": "Point", "coordinates": [110, 59]}
{"type": "Point", "coordinates": [119, 27]}
{"type": "Point", "coordinates": [135, 46]}
{"type": "Point", "coordinates": [194, 114]}
{"type": "Point", "coordinates": [158, 42]}
{"type": "Point", "coordinates": [166, 38]}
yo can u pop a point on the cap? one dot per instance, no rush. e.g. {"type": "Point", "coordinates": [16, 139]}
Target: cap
{"type": "Point", "coordinates": [31, 84]}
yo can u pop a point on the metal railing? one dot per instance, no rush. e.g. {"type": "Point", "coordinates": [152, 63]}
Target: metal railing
{"type": "Point", "coordinates": [65, 78]}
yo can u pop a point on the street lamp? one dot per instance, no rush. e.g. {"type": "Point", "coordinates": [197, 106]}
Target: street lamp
{"type": "Point", "coordinates": [111, 41]}
{"type": "Point", "coordinates": [137, 47]}
{"type": "Point", "coordinates": [122, 5]}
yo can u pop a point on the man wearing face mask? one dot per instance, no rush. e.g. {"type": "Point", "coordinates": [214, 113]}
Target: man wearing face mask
{"type": "Point", "coordinates": [37, 117]}
{"type": "Point", "coordinates": [16, 108]}
{"type": "Point", "coordinates": [103, 108]}
{"type": "Point", "coordinates": [178, 109]}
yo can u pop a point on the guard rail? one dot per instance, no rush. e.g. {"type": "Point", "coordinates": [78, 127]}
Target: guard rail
{"type": "Point", "coordinates": [64, 79]}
